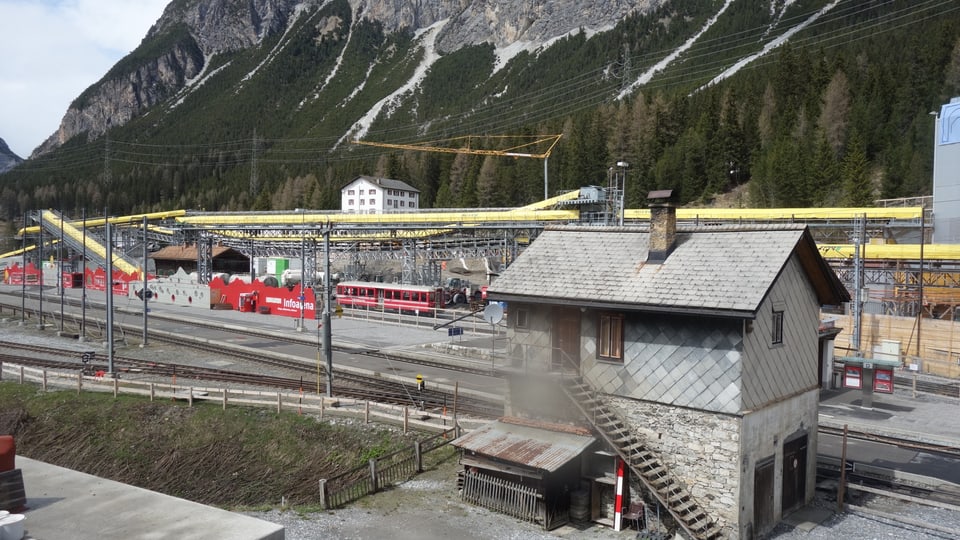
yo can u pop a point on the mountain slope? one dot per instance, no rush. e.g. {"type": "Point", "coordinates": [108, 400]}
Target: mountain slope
{"type": "Point", "coordinates": [254, 104]}
{"type": "Point", "coordinates": [8, 159]}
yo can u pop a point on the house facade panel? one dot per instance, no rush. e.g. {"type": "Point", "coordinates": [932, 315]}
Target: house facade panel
{"type": "Point", "coordinates": [681, 361]}
{"type": "Point", "coordinates": [772, 372]}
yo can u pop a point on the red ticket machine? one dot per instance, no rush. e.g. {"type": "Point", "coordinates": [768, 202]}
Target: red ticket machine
{"type": "Point", "coordinates": [883, 381]}
{"type": "Point", "coordinates": [853, 376]}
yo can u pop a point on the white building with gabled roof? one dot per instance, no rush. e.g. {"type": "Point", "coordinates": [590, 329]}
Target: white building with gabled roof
{"type": "Point", "coordinates": [369, 195]}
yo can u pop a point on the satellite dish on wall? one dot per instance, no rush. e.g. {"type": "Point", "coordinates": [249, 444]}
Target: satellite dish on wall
{"type": "Point", "coordinates": [493, 313]}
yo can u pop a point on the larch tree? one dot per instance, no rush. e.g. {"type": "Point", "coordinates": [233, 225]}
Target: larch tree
{"type": "Point", "coordinates": [835, 114]}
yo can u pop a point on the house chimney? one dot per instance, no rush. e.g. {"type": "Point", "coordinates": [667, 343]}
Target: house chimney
{"type": "Point", "coordinates": [663, 225]}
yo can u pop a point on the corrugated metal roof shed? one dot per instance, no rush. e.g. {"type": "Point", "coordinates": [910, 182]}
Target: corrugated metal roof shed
{"type": "Point", "coordinates": [534, 447]}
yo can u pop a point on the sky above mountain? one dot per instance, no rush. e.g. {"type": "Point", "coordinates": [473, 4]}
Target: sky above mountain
{"type": "Point", "coordinates": [53, 50]}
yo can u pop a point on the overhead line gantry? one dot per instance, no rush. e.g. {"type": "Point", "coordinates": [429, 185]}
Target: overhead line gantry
{"type": "Point", "coordinates": [465, 147]}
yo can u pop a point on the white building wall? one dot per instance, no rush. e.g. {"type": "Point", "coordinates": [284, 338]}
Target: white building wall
{"type": "Point", "coordinates": [762, 435]}
{"type": "Point", "coordinates": [363, 196]}
{"type": "Point", "coordinates": [946, 175]}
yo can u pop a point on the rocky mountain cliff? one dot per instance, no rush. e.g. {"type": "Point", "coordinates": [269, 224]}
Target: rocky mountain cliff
{"type": "Point", "coordinates": [276, 104]}
{"type": "Point", "coordinates": [190, 33]}
{"type": "Point", "coordinates": [8, 159]}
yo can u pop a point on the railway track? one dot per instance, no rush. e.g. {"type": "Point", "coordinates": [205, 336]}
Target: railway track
{"type": "Point", "coordinates": [884, 482]}
{"type": "Point", "coordinates": [949, 451]}
{"type": "Point", "coordinates": [347, 384]}
{"type": "Point", "coordinates": [273, 336]}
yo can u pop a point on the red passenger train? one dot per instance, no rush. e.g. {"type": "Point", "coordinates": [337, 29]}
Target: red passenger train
{"type": "Point", "coordinates": [363, 294]}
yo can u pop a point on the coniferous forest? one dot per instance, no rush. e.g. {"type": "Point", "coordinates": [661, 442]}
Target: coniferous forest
{"type": "Point", "coordinates": [839, 115]}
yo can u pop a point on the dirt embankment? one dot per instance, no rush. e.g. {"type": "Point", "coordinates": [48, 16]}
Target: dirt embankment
{"type": "Point", "coordinates": [237, 457]}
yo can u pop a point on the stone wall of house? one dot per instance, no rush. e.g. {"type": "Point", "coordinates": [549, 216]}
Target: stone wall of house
{"type": "Point", "coordinates": [701, 448]}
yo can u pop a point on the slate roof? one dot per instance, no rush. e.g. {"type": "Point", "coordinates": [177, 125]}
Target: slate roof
{"type": "Point", "coordinates": [385, 183]}
{"type": "Point", "coordinates": [725, 270]}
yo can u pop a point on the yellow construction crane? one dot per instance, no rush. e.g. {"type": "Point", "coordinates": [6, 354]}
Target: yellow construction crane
{"type": "Point", "coordinates": [463, 145]}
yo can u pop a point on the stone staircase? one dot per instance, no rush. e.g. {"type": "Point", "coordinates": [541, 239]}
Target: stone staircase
{"type": "Point", "coordinates": [646, 466]}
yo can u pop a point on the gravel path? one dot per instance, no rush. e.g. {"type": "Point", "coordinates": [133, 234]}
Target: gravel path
{"type": "Point", "coordinates": [427, 509]}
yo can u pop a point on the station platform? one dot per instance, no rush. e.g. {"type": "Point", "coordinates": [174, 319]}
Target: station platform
{"type": "Point", "coordinates": [63, 504]}
{"type": "Point", "coordinates": [923, 418]}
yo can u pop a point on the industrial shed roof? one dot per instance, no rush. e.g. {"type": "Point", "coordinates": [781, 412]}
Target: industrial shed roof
{"type": "Point", "coordinates": [536, 447]}
{"type": "Point", "coordinates": [189, 253]}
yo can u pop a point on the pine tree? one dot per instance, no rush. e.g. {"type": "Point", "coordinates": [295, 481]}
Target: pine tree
{"type": "Point", "coordinates": [857, 189]}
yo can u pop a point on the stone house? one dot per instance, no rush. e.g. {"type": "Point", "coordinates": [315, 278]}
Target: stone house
{"type": "Point", "coordinates": [367, 194]}
{"type": "Point", "coordinates": [692, 351]}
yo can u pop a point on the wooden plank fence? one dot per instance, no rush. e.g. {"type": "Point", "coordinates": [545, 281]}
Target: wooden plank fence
{"type": "Point", "coordinates": [503, 496]}
{"type": "Point", "coordinates": [939, 353]}
{"type": "Point", "coordinates": [380, 472]}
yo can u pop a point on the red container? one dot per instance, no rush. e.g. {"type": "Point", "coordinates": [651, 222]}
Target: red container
{"type": "Point", "coordinates": [8, 453]}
